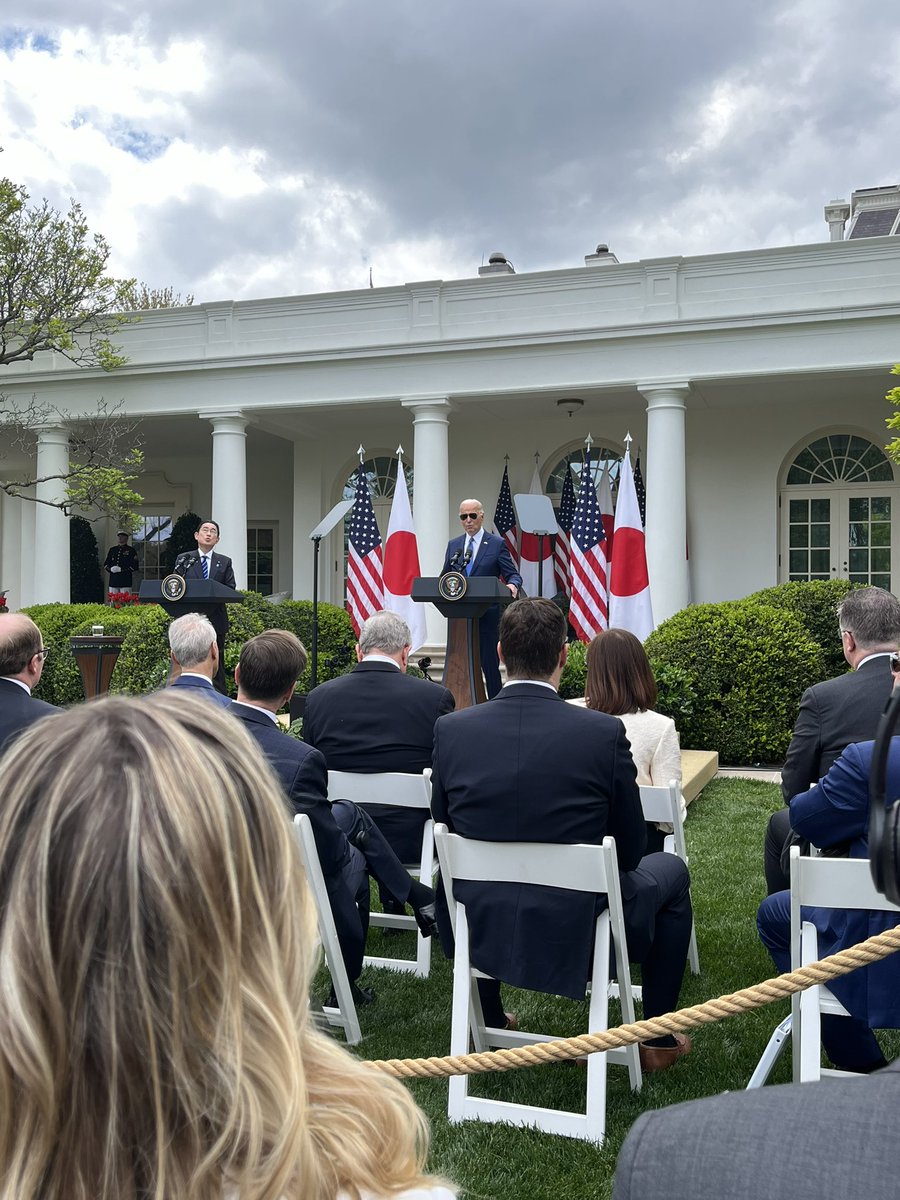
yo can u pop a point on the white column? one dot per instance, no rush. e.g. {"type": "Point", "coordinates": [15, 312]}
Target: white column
{"type": "Point", "coordinates": [431, 493]}
{"type": "Point", "coordinates": [11, 552]}
{"type": "Point", "coordinates": [51, 525]}
{"type": "Point", "coordinates": [229, 488]}
{"type": "Point", "coordinates": [665, 481]}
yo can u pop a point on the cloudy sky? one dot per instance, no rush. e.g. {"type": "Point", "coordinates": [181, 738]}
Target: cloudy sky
{"type": "Point", "coordinates": [238, 150]}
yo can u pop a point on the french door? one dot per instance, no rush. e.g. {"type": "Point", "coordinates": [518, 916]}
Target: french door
{"type": "Point", "coordinates": [839, 533]}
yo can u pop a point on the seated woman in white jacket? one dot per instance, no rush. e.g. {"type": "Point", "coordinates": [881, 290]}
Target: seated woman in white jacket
{"type": "Point", "coordinates": [620, 682]}
{"type": "Point", "coordinates": [158, 942]}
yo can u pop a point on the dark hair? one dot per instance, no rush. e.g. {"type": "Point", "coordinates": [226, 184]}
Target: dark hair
{"type": "Point", "coordinates": [532, 634]}
{"type": "Point", "coordinates": [18, 647]}
{"type": "Point", "coordinates": [210, 521]}
{"type": "Point", "coordinates": [872, 615]}
{"type": "Point", "coordinates": [619, 676]}
{"type": "Point", "coordinates": [270, 663]}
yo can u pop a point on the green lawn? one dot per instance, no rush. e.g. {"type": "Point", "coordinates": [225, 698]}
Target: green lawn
{"type": "Point", "coordinates": [411, 1018]}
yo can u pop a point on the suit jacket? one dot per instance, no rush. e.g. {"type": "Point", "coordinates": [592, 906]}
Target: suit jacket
{"type": "Point", "coordinates": [837, 810]}
{"type": "Point", "coordinates": [196, 686]}
{"type": "Point", "coordinates": [528, 767]}
{"type": "Point", "coordinates": [493, 558]}
{"type": "Point", "coordinates": [18, 710]}
{"type": "Point", "coordinates": [377, 718]}
{"type": "Point", "coordinates": [220, 568]}
{"type": "Point", "coordinates": [832, 715]}
{"type": "Point", "coordinates": [809, 1141]}
{"type": "Point", "coordinates": [301, 772]}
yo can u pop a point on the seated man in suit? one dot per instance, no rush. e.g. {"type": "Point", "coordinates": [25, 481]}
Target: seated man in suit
{"type": "Point", "coordinates": [478, 552]}
{"type": "Point", "coordinates": [836, 809]}
{"type": "Point", "coordinates": [378, 718]}
{"type": "Point", "coordinates": [529, 767]}
{"type": "Point", "coordinates": [349, 844]}
{"type": "Point", "coordinates": [837, 712]}
{"type": "Point", "coordinates": [203, 563]}
{"type": "Point", "coordinates": [195, 657]}
{"type": "Point", "coordinates": [22, 657]}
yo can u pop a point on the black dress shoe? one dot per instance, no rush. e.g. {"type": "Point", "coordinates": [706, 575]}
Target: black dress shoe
{"type": "Point", "coordinates": [426, 919]}
{"type": "Point", "coordinates": [361, 996]}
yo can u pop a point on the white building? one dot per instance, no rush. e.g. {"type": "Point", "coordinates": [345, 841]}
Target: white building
{"type": "Point", "coordinates": [754, 383]}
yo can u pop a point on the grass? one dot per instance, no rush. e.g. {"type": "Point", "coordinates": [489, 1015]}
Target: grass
{"type": "Point", "coordinates": [411, 1018]}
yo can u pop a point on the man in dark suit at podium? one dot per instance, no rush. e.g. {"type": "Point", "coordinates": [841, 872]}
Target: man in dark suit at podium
{"type": "Point", "coordinates": [202, 563]}
{"type": "Point", "coordinates": [478, 552]}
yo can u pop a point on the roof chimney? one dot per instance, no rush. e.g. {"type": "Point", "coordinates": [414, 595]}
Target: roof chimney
{"type": "Point", "coordinates": [600, 257]}
{"type": "Point", "coordinates": [498, 264]}
{"type": "Point", "coordinates": [836, 214]}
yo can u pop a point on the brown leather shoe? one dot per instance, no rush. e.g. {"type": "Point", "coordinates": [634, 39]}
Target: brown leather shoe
{"type": "Point", "coordinates": [660, 1058]}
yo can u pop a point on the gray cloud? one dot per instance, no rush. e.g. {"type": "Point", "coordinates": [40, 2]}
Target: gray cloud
{"type": "Point", "coordinates": [535, 129]}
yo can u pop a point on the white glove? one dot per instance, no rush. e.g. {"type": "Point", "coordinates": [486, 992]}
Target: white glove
{"type": "Point", "coordinates": [114, 570]}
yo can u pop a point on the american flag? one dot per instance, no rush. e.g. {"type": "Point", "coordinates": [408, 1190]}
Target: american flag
{"type": "Point", "coordinates": [563, 528]}
{"type": "Point", "coordinates": [588, 611]}
{"type": "Point", "coordinates": [639, 488]}
{"type": "Point", "coordinates": [505, 518]}
{"type": "Point", "coordinates": [365, 582]}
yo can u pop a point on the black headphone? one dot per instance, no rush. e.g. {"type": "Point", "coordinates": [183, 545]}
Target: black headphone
{"type": "Point", "coordinates": [884, 823]}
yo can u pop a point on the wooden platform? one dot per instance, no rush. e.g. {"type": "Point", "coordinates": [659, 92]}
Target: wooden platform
{"type": "Point", "coordinates": [697, 769]}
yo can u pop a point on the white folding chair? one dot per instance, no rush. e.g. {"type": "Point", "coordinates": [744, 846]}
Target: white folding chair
{"type": "Point", "coordinates": [580, 868]}
{"type": "Point", "coordinates": [401, 791]}
{"type": "Point", "coordinates": [843, 883]}
{"type": "Point", "coordinates": [344, 1015]}
{"type": "Point", "coordinates": [664, 804]}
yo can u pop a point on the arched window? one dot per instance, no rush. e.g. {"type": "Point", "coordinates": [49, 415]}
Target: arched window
{"type": "Point", "coordinates": [840, 458]}
{"type": "Point", "coordinates": [837, 512]}
{"type": "Point", "coordinates": [600, 456]}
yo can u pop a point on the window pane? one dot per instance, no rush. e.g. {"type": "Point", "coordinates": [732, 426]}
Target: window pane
{"type": "Point", "coordinates": [882, 581]}
{"type": "Point", "coordinates": [800, 535]}
{"type": "Point", "coordinates": [799, 561]}
{"type": "Point", "coordinates": [821, 535]}
{"type": "Point", "coordinates": [859, 560]}
{"type": "Point", "coordinates": [881, 560]}
{"type": "Point", "coordinates": [859, 508]}
{"type": "Point", "coordinates": [799, 510]}
{"type": "Point", "coordinates": [880, 533]}
{"type": "Point", "coordinates": [819, 562]}
{"type": "Point", "coordinates": [820, 510]}
{"type": "Point", "coordinates": [881, 508]}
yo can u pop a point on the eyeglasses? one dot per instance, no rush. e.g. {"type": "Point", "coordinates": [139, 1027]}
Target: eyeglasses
{"type": "Point", "coordinates": [41, 654]}
{"type": "Point", "coordinates": [469, 516]}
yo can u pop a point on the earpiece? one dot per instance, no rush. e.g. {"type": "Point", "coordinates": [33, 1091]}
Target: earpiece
{"type": "Point", "coordinates": [884, 823]}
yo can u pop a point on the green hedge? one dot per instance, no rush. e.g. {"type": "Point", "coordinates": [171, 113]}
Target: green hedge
{"type": "Point", "coordinates": [815, 604]}
{"type": "Point", "coordinates": [571, 685]}
{"type": "Point", "coordinates": [143, 663]}
{"type": "Point", "coordinates": [731, 676]}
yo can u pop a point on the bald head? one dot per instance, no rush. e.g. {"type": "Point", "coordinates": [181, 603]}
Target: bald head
{"type": "Point", "coordinates": [471, 515]}
{"type": "Point", "coordinates": [20, 645]}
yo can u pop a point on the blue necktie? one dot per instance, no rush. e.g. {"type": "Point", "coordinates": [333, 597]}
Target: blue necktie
{"type": "Point", "coordinates": [204, 561]}
{"type": "Point", "coordinates": [470, 549]}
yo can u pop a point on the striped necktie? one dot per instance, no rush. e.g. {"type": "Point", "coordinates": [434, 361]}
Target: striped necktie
{"type": "Point", "coordinates": [204, 563]}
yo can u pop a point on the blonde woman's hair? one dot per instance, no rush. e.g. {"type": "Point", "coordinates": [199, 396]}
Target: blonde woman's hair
{"type": "Point", "coordinates": [156, 942]}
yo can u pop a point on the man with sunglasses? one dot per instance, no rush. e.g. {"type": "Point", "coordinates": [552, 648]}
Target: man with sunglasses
{"type": "Point", "coordinates": [22, 655]}
{"type": "Point", "coordinates": [478, 552]}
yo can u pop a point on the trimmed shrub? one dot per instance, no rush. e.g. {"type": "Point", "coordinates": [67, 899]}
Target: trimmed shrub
{"type": "Point", "coordinates": [336, 636]}
{"type": "Point", "coordinates": [571, 685]}
{"type": "Point", "coordinates": [744, 666]}
{"type": "Point", "coordinates": [85, 580]}
{"type": "Point", "coordinates": [181, 538]}
{"type": "Point", "coordinates": [815, 603]}
{"type": "Point", "coordinates": [143, 664]}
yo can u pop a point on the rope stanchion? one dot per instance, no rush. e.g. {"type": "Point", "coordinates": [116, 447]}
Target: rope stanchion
{"type": "Point", "coordinates": [778, 988]}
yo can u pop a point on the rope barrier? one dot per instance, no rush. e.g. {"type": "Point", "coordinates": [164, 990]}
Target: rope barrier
{"type": "Point", "coordinates": [780, 986]}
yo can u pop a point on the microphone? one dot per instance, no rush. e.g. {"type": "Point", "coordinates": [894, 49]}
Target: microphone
{"type": "Point", "coordinates": [182, 567]}
{"type": "Point", "coordinates": [467, 557]}
{"type": "Point", "coordinates": [454, 561]}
